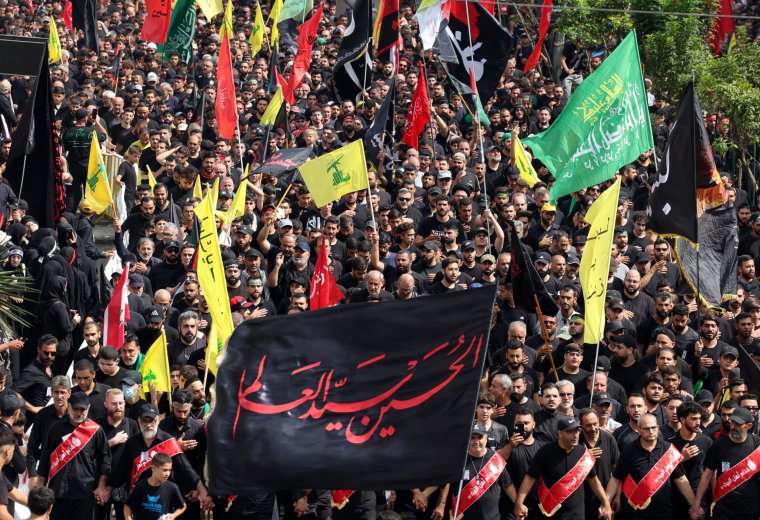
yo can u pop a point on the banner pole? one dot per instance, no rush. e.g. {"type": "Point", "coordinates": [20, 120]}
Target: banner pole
{"type": "Point", "coordinates": [593, 372]}
{"type": "Point", "coordinates": [459, 494]}
{"type": "Point", "coordinates": [545, 336]}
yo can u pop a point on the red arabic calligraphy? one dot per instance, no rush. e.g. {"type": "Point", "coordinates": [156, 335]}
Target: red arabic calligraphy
{"type": "Point", "coordinates": [354, 417]}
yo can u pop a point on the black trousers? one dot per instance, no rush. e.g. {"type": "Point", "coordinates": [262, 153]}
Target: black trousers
{"type": "Point", "coordinates": [73, 508]}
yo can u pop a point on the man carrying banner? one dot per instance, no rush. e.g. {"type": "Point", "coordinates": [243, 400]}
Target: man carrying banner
{"type": "Point", "coordinates": [483, 482]}
{"type": "Point", "coordinates": [733, 464]}
{"type": "Point", "coordinates": [138, 453]}
{"type": "Point", "coordinates": [644, 472]}
{"type": "Point", "coordinates": [561, 468]}
{"type": "Point", "coordinates": [75, 462]}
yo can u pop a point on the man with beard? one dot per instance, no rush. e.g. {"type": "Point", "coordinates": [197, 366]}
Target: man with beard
{"type": "Point", "coordinates": [282, 272]}
{"type": "Point", "coordinates": [432, 228]}
{"type": "Point", "coordinates": [189, 432]}
{"type": "Point", "coordinates": [509, 360]}
{"type": "Point", "coordinates": [35, 380]}
{"type": "Point", "coordinates": [169, 273]}
{"type": "Point", "coordinates": [744, 328]}
{"type": "Point", "coordinates": [734, 461]}
{"type": "Point", "coordinates": [704, 354]}
{"type": "Point", "coordinates": [664, 269]}
{"type": "Point", "coordinates": [91, 332]}
{"type": "Point", "coordinates": [547, 417]}
{"type": "Point", "coordinates": [746, 275]}
{"type": "Point", "coordinates": [604, 449]}
{"type": "Point", "coordinates": [256, 305]}
{"type": "Point", "coordinates": [145, 259]}
{"type": "Point", "coordinates": [679, 324]}
{"type": "Point", "coordinates": [484, 481]}
{"type": "Point", "coordinates": [130, 356]}
{"type": "Point", "coordinates": [634, 408]}
{"type": "Point", "coordinates": [84, 375]}
{"type": "Point", "coordinates": [644, 473]}
{"type": "Point", "coordinates": [75, 462]}
{"type": "Point", "coordinates": [198, 406]}
{"type": "Point", "coordinates": [118, 429]}
{"type": "Point", "coordinates": [60, 392]}
{"type": "Point", "coordinates": [520, 451]}
{"type": "Point", "coordinates": [663, 304]}
{"type": "Point", "coordinates": [147, 335]}
{"type": "Point", "coordinates": [235, 286]}
{"type": "Point", "coordinates": [188, 341]}
{"type": "Point", "coordinates": [132, 466]}
{"type": "Point", "coordinates": [653, 391]}
{"type": "Point", "coordinates": [693, 446]}
{"type": "Point", "coordinates": [540, 233]}
{"type": "Point", "coordinates": [635, 300]}
{"type": "Point", "coordinates": [625, 369]}
{"type": "Point", "coordinates": [450, 280]}
{"type": "Point", "coordinates": [568, 463]}
{"type": "Point", "coordinates": [541, 261]}
{"type": "Point", "coordinates": [135, 223]}
{"type": "Point", "coordinates": [488, 270]}
{"type": "Point", "coordinates": [567, 300]}
{"type": "Point", "coordinates": [403, 265]}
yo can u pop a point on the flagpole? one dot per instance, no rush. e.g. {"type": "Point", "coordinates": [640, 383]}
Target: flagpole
{"type": "Point", "coordinates": [545, 335]}
{"type": "Point", "coordinates": [593, 372]}
{"type": "Point", "coordinates": [23, 174]}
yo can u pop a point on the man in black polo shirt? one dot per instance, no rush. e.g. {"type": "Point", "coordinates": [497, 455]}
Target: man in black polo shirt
{"type": "Point", "coordinates": [110, 373]}
{"type": "Point", "coordinates": [567, 463]}
{"type": "Point", "coordinates": [189, 432]}
{"type": "Point", "coordinates": [646, 494]}
{"type": "Point", "coordinates": [34, 383]}
{"type": "Point", "coordinates": [61, 391]}
{"type": "Point", "coordinates": [604, 449]}
{"type": "Point", "coordinates": [84, 375]}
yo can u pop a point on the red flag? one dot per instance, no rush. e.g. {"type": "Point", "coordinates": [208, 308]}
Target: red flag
{"type": "Point", "coordinates": [419, 113]}
{"type": "Point", "coordinates": [722, 27]}
{"type": "Point", "coordinates": [307, 35]}
{"type": "Point", "coordinates": [66, 15]}
{"type": "Point", "coordinates": [324, 291]}
{"type": "Point", "coordinates": [117, 312]}
{"type": "Point", "coordinates": [156, 23]}
{"type": "Point", "coordinates": [226, 104]}
{"type": "Point", "coordinates": [543, 28]}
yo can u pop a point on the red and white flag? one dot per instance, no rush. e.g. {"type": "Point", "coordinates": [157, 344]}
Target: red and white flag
{"type": "Point", "coordinates": [324, 290]}
{"type": "Point", "coordinates": [117, 312]}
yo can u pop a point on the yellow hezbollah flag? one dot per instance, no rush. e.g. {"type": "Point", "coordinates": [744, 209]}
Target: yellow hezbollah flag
{"type": "Point", "coordinates": [54, 43]}
{"type": "Point", "coordinates": [595, 264]}
{"type": "Point", "coordinates": [274, 15]}
{"type": "Point", "coordinates": [155, 366]}
{"type": "Point", "coordinates": [270, 114]}
{"type": "Point", "coordinates": [211, 270]}
{"type": "Point", "coordinates": [210, 8]}
{"type": "Point", "coordinates": [151, 179]}
{"type": "Point", "coordinates": [331, 176]}
{"type": "Point", "coordinates": [257, 32]}
{"type": "Point", "coordinates": [97, 189]}
{"type": "Point", "coordinates": [237, 208]}
{"type": "Point", "coordinates": [523, 163]}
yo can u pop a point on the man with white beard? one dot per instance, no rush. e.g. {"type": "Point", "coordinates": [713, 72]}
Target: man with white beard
{"type": "Point", "coordinates": [139, 450]}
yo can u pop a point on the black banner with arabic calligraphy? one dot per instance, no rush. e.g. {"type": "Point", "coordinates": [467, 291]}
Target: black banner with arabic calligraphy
{"type": "Point", "coordinates": [285, 160]}
{"type": "Point", "coordinates": [361, 396]}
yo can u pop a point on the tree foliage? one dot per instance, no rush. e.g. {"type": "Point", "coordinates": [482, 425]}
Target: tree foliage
{"type": "Point", "coordinates": [595, 28]}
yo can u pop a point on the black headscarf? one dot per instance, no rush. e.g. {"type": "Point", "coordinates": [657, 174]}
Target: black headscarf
{"type": "Point", "coordinates": [54, 292]}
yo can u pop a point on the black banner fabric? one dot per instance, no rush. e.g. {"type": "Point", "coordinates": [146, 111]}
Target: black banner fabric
{"type": "Point", "coordinates": [21, 56]}
{"type": "Point", "coordinates": [366, 396]}
{"type": "Point", "coordinates": [285, 160]}
{"type": "Point", "coordinates": [526, 283]}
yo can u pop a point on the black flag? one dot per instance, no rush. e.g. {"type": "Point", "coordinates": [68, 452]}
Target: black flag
{"type": "Point", "coordinates": [380, 132]}
{"type": "Point", "coordinates": [337, 399]}
{"type": "Point", "coordinates": [84, 16]}
{"type": "Point", "coordinates": [525, 280]}
{"type": "Point", "coordinates": [353, 66]}
{"type": "Point", "coordinates": [38, 181]}
{"type": "Point", "coordinates": [713, 275]}
{"type": "Point", "coordinates": [284, 160]}
{"type": "Point", "coordinates": [482, 46]}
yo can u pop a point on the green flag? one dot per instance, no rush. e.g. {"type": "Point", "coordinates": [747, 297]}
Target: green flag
{"type": "Point", "coordinates": [181, 31]}
{"type": "Point", "coordinates": [604, 125]}
{"type": "Point", "coordinates": [297, 9]}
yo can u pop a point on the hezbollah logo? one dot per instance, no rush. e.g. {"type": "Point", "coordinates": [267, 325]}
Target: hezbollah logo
{"type": "Point", "coordinates": [92, 182]}
{"type": "Point", "coordinates": [150, 376]}
{"type": "Point", "coordinates": [338, 175]}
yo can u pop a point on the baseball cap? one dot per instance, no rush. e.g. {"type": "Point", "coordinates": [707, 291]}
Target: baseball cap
{"type": "Point", "coordinates": [156, 315]}
{"type": "Point", "coordinates": [479, 230]}
{"type": "Point", "coordinates": [603, 364]}
{"type": "Point", "coordinates": [11, 402]}
{"type": "Point", "coordinates": [573, 260]}
{"type": "Point", "coordinates": [16, 251]}
{"type": "Point", "coordinates": [444, 174]}
{"type": "Point", "coordinates": [286, 222]}
{"type": "Point", "coordinates": [303, 246]}
{"type": "Point", "coordinates": [170, 244]}
{"type": "Point", "coordinates": [625, 339]}
{"type": "Point", "coordinates": [548, 208]}
{"type": "Point", "coordinates": [129, 381]}
{"type": "Point", "coordinates": [579, 240]}
{"type": "Point", "coordinates": [569, 424]}
{"type": "Point", "coordinates": [487, 258]}
{"type": "Point", "coordinates": [147, 410]}
{"type": "Point", "coordinates": [742, 416]}
{"type": "Point", "coordinates": [602, 398]}
{"type": "Point", "coordinates": [615, 325]}
{"type": "Point", "coordinates": [224, 194]}
{"type": "Point", "coordinates": [430, 246]}
{"type": "Point", "coordinates": [729, 351]}
{"type": "Point", "coordinates": [478, 429]}
{"type": "Point", "coordinates": [152, 76]}
{"type": "Point", "coordinates": [704, 396]}
{"type": "Point", "coordinates": [543, 257]}
{"type": "Point", "coordinates": [616, 304]}
{"type": "Point", "coordinates": [245, 230]}
{"type": "Point", "coordinates": [81, 113]}
{"type": "Point", "coordinates": [467, 245]}
{"type": "Point", "coordinates": [79, 400]}
{"type": "Point", "coordinates": [136, 280]}
{"type": "Point", "coordinates": [435, 190]}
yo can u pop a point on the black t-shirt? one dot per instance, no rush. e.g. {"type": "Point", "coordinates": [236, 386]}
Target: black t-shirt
{"type": "Point", "coordinates": [692, 467]}
{"type": "Point", "coordinates": [550, 464]}
{"type": "Point", "coordinates": [487, 506]}
{"type": "Point", "coordinates": [149, 503]}
{"type": "Point", "coordinates": [725, 454]}
{"type": "Point", "coordinates": [603, 466]}
{"type": "Point", "coordinates": [636, 462]}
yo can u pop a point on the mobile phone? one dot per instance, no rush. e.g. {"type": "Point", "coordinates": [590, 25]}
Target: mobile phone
{"type": "Point", "coordinates": [520, 429]}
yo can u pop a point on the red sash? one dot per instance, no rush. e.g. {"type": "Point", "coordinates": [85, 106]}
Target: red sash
{"type": "Point", "coordinates": [639, 495]}
{"type": "Point", "coordinates": [68, 449]}
{"type": "Point", "coordinates": [737, 475]}
{"type": "Point", "coordinates": [145, 460]}
{"type": "Point", "coordinates": [340, 497]}
{"type": "Point", "coordinates": [550, 500]}
{"type": "Point", "coordinates": [476, 487]}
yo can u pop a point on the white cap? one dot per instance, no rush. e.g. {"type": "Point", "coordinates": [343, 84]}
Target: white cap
{"type": "Point", "coordinates": [152, 76]}
{"type": "Point", "coordinates": [152, 45]}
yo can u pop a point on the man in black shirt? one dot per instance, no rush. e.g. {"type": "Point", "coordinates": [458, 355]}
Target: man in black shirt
{"type": "Point", "coordinates": [76, 461]}
{"type": "Point", "coordinates": [603, 447]}
{"type": "Point", "coordinates": [110, 373]}
{"type": "Point", "coordinates": [567, 461]}
{"type": "Point", "coordinates": [693, 445]}
{"type": "Point", "coordinates": [61, 391]}
{"type": "Point", "coordinates": [84, 375]}
{"type": "Point", "coordinates": [170, 271]}
{"type": "Point", "coordinates": [34, 383]}
{"type": "Point", "coordinates": [10, 409]}
{"type": "Point", "coordinates": [519, 452]}
{"type": "Point", "coordinates": [633, 468]}
{"type": "Point", "coordinates": [731, 457]}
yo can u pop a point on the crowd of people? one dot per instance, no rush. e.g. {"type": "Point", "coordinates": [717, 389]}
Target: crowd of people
{"type": "Point", "coordinates": [657, 424]}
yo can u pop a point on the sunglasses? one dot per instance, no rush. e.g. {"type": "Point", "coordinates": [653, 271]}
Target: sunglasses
{"type": "Point", "coordinates": [49, 354]}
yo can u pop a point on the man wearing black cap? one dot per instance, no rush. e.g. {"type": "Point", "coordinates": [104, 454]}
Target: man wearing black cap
{"type": "Point", "coordinates": [561, 468]}
{"type": "Point", "coordinates": [130, 388]}
{"type": "Point", "coordinates": [169, 273]}
{"type": "Point", "coordinates": [282, 273]}
{"type": "Point", "coordinates": [235, 286]}
{"type": "Point", "coordinates": [10, 409]}
{"type": "Point", "coordinates": [483, 483]}
{"type": "Point", "coordinates": [132, 466]}
{"type": "Point", "coordinates": [84, 375]}
{"type": "Point", "coordinates": [76, 143]}
{"type": "Point", "coordinates": [717, 380]}
{"type": "Point", "coordinates": [644, 473]}
{"type": "Point", "coordinates": [734, 462]}
{"type": "Point", "coordinates": [147, 335]}
{"type": "Point", "coordinates": [75, 462]}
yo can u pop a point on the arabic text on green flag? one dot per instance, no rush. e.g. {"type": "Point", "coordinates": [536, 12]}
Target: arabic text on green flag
{"type": "Point", "coordinates": [181, 31]}
{"type": "Point", "coordinates": [297, 9]}
{"type": "Point", "coordinates": [604, 125]}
